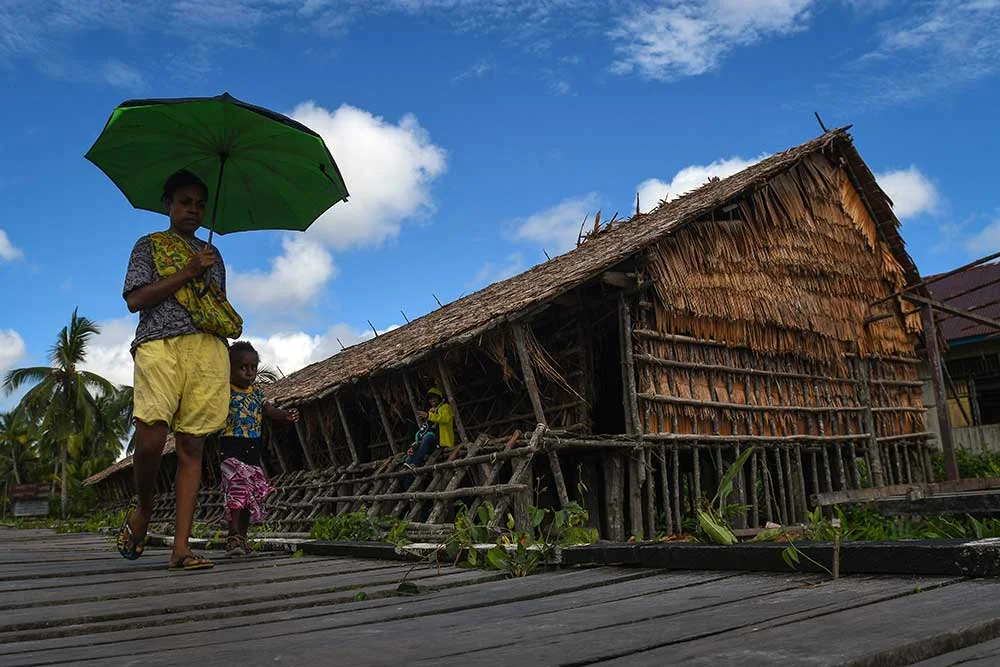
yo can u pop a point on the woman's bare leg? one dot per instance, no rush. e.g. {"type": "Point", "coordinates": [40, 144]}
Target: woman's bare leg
{"type": "Point", "coordinates": [149, 441]}
{"type": "Point", "coordinates": [189, 450]}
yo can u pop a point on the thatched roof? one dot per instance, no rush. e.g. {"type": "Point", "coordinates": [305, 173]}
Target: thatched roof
{"type": "Point", "coordinates": [125, 463]}
{"type": "Point", "coordinates": [511, 298]}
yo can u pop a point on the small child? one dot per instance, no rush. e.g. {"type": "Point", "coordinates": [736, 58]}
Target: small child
{"type": "Point", "coordinates": [243, 479]}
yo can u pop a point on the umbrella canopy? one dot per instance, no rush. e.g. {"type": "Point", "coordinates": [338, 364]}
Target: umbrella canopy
{"type": "Point", "coordinates": [268, 171]}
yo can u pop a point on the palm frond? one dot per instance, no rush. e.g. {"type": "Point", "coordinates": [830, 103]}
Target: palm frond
{"type": "Point", "coordinates": [19, 377]}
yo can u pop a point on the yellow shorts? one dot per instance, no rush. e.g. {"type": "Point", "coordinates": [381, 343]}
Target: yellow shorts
{"type": "Point", "coordinates": [183, 381]}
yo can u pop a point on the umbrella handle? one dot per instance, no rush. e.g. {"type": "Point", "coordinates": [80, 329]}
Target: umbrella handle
{"type": "Point", "coordinates": [215, 208]}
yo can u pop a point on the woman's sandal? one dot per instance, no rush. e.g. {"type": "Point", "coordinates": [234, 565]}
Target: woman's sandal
{"type": "Point", "coordinates": [190, 562]}
{"type": "Point", "coordinates": [130, 545]}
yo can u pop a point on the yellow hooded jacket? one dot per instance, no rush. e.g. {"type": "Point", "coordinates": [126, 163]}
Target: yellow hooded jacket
{"type": "Point", "coordinates": [442, 416]}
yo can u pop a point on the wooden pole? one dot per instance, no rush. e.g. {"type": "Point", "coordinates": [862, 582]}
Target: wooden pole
{"type": "Point", "coordinates": [326, 429]}
{"type": "Point", "coordinates": [865, 396]}
{"type": "Point", "coordinates": [496, 490]}
{"type": "Point", "coordinates": [270, 439]}
{"type": "Point", "coordinates": [456, 479]}
{"type": "Point", "coordinates": [632, 423]}
{"type": "Point", "coordinates": [940, 395]}
{"type": "Point", "coordinates": [614, 482]}
{"type": "Point", "coordinates": [522, 471]}
{"type": "Point", "coordinates": [347, 430]}
{"type": "Point", "coordinates": [536, 403]}
{"type": "Point", "coordinates": [446, 381]}
{"type": "Point", "coordinates": [384, 417]}
{"type": "Point", "coordinates": [412, 397]}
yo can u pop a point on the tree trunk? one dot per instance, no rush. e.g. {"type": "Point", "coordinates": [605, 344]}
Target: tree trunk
{"type": "Point", "coordinates": [64, 498]}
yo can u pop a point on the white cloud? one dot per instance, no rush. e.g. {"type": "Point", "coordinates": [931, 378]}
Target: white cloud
{"type": "Point", "coordinates": [986, 240]}
{"type": "Point", "coordinates": [388, 168]}
{"type": "Point", "coordinates": [652, 190]}
{"type": "Point", "coordinates": [118, 74]}
{"type": "Point", "coordinates": [290, 351]}
{"type": "Point", "coordinates": [8, 251]}
{"type": "Point", "coordinates": [937, 46]}
{"type": "Point", "coordinates": [556, 228]}
{"type": "Point", "coordinates": [295, 279]}
{"type": "Point", "coordinates": [910, 191]}
{"type": "Point", "coordinates": [12, 349]}
{"type": "Point", "coordinates": [108, 352]}
{"type": "Point", "coordinates": [477, 70]}
{"type": "Point", "coordinates": [492, 272]}
{"type": "Point", "coordinates": [681, 38]}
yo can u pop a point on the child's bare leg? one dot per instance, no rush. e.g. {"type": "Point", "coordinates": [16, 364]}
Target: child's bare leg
{"type": "Point", "coordinates": [234, 522]}
{"type": "Point", "coordinates": [243, 522]}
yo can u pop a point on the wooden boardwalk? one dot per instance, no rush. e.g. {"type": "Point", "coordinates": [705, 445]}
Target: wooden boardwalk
{"type": "Point", "coordinates": [68, 599]}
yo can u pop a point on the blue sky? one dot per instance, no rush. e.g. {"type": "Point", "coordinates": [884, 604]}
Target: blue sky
{"type": "Point", "coordinates": [473, 135]}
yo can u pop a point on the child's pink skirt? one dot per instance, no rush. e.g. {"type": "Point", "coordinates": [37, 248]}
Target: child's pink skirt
{"type": "Point", "coordinates": [246, 488]}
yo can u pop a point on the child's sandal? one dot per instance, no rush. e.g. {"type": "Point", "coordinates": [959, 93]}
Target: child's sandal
{"type": "Point", "coordinates": [235, 546]}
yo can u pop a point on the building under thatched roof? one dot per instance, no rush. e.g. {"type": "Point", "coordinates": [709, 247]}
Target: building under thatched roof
{"type": "Point", "coordinates": [738, 314]}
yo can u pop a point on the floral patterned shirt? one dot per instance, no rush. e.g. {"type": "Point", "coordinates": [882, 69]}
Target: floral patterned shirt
{"type": "Point", "coordinates": [246, 408]}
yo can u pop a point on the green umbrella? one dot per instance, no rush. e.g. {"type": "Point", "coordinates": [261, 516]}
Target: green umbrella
{"type": "Point", "coordinates": [269, 171]}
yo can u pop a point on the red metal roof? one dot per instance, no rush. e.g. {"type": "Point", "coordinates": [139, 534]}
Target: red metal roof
{"type": "Point", "coordinates": [984, 299]}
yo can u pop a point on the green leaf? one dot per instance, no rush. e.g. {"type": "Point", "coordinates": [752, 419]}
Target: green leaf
{"type": "Point", "coordinates": [726, 483]}
{"type": "Point", "coordinates": [497, 558]}
{"type": "Point", "coordinates": [790, 556]}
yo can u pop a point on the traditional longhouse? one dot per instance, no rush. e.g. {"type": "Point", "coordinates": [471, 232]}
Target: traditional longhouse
{"type": "Point", "coordinates": [736, 315]}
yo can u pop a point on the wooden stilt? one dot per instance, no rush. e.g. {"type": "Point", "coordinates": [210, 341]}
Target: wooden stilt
{"type": "Point", "coordinates": [668, 517]}
{"type": "Point", "coordinates": [347, 429]}
{"type": "Point", "coordinates": [528, 372]}
{"type": "Point", "coordinates": [411, 397]}
{"type": "Point", "coordinates": [384, 418]}
{"type": "Point", "coordinates": [456, 478]}
{"type": "Point", "coordinates": [865, 399]}
{"type": "Point", "coordinates": [650, 517]}
{"type": "Point", "coordinates": [634, 497]}
{"type": "Point", "coordinates": [275, 447]}
{"type": "Point", "coordinates": [304, 442]}
{"type": "Point", "coordinates": [675, 458]}
{"type": "Point", "coordinates": [449, 392]}
{"type": "Point", "coordinates": [614, 482]}
{"type": "Point", "coordinates": [326, 430]}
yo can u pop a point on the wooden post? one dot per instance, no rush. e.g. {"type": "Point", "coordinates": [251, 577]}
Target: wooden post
{"type": "Point", "coordinates": [269, 439]}
{"type": "Point", "coordinates": [412, 396]}
{"type": "Point", "coordinates": [635, 497]}
{"type": "Point", "coordinates": [865, 395]}
{"type": "Point", "coordinates": [940, 394]}
{"type": "Point", "coordinates": [300, 430]}
{"type": "Point", "coordinates": [456, 478]}
{"type": "Point", "coordinates": [632, 423]}
{"type": "Point", "coordinates": [650, 496]}
{"type": "Point", "coordinates": [347, 430]}
{"type": "Point", "coordinates": [668, 515]}
{"type": "Point", "coordinates": [613, 492]}
{"type": "Point", "coordinates": [384, 417]}
{"type": "Point", "coordinates": [327, 431]}
{"type": "Point", "coordinates": [536, 403]}
{"type": "Point", "coordinates": [446, 381]}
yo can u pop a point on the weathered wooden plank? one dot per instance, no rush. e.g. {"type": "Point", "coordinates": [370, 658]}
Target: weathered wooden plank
{"type": "Point", "coordinates": [890, 629]}
{"type": "Point", "coordinates": [548, 592]}
{"type": "Point", "coordinates": [507, 633]}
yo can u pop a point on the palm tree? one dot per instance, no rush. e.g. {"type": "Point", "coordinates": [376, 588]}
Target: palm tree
{"type": "Point", "coordinates": [63, 395]}
{"type": "Point", "coordinates": [17, 440]}
{"type": "Point", "coordinates": [113, 426]}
